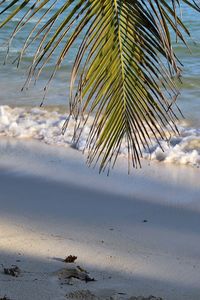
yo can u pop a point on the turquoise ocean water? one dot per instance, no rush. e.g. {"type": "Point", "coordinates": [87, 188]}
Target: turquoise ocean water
{"type": "Point", "coordinates": [17, 122]}
{"type": "Point", "coordinates": [12, 79]}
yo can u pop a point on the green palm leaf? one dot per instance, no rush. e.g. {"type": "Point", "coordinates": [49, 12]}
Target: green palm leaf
{"type": "Point", "coordinates": [125, 66]}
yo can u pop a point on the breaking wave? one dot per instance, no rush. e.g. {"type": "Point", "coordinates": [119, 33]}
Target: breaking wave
{"type": "Point", "coordinates": [46, 125]}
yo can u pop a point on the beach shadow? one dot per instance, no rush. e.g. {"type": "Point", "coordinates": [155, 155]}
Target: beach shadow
{"type": "Point", "coordinates": [39, 280]}
{"type": "Point", "coordinates": [45, 199]}
{"type": "Point", "coordinates": [87, 217]}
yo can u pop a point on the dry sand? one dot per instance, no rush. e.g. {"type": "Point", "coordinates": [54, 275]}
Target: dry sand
{"type": "Point", "coordinates": [136, 235]}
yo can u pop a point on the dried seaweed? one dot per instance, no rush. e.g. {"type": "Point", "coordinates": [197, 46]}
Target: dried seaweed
{"type": "Point", "coordinates": [74, 272]}
{"type": "Point", "coordinates": [13, 271]}
{"type": "Point", "coordinates": [70, 259]}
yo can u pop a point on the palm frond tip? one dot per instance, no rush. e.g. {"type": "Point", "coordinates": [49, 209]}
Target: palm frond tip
{"type": "Point", "coordinates": [125, 64]}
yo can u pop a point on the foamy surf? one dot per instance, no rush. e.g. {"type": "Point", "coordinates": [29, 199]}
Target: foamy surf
{"type": "Point", "coordinates": [46, 126]}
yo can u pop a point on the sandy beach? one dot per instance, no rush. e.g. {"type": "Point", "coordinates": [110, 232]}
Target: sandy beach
{"type": "Point", "coordinates": [135, 234]}
{"type": "Point", "coordinates": [121, 75]}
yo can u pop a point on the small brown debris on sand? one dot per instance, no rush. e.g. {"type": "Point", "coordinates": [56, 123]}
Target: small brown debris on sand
{"type": "Point", "coordinates": [13, 271]}
{"type": "Point", "coordinates": [70, 259]}
{"type": "Point", "coordinates": [74, 272]}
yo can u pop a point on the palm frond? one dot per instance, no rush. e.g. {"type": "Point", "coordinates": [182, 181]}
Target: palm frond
{"type": "Point", "coordinates": [125, 66]}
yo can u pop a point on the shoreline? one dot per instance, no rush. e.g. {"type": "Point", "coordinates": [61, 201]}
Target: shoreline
{"type": "Point", "coordinates": [39, 124]}
{"type": "Point", "coordinates": [136, 234]}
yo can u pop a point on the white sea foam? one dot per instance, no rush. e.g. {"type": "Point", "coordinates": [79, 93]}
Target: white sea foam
{"type": "Point", "coordinates": [35, 123]}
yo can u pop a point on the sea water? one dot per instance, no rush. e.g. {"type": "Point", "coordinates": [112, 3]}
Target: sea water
{"type": "Point", "coordinates": [46, 125]}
